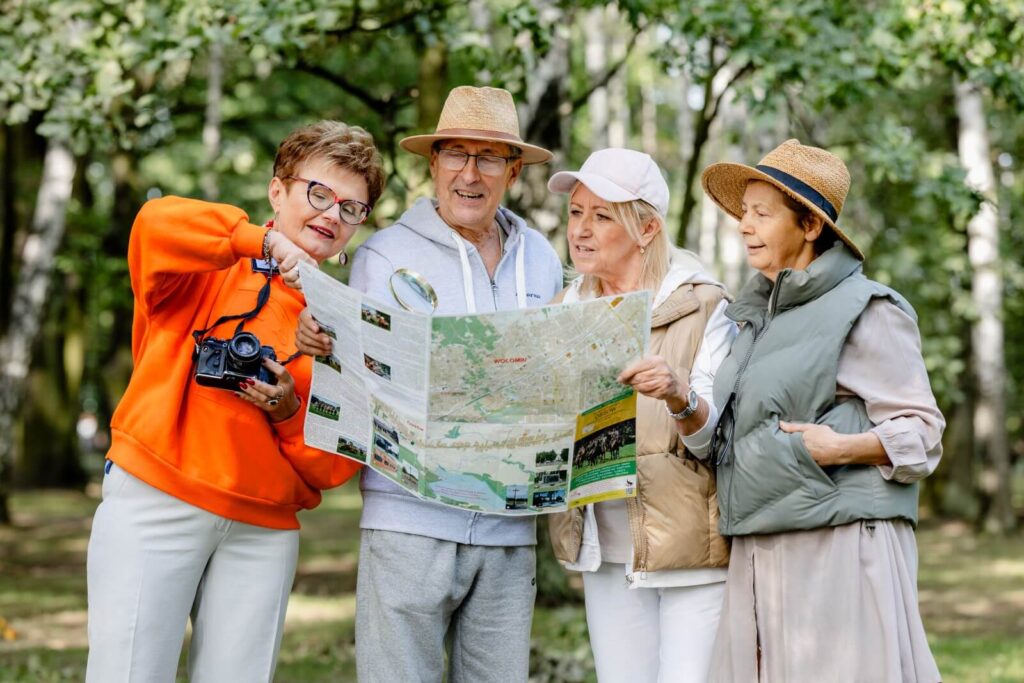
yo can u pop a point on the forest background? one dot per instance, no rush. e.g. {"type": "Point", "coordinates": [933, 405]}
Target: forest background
{"type": "Point", "coordinates": [105, 103]}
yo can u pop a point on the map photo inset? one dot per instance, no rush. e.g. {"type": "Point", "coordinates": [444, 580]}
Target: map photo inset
{"type": "Point", "coordinates": [371, 315]}
{"type": "Point", "coordinates": [396, 445]}
{"type": "Point", "coordinates": [324, 408]}
{"type": "Point", "coordinates": [377, 367]}
{"type": "Point", "coordinates": [351, 448]}
{"type": "Point", "coordinates": [330, 361]}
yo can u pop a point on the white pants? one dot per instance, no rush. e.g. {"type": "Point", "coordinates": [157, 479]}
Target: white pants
{"type": "Point", "coordinates": [154, 560]}
{"type": "Point", "coordinates": [650, 635]}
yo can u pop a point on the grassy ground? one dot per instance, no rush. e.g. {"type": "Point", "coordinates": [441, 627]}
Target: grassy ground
{"type": "Point", "coordinates": [972, 597]}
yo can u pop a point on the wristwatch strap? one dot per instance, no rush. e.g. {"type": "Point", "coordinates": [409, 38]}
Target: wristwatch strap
{"type": "Point", "coordinates": [693, 401]}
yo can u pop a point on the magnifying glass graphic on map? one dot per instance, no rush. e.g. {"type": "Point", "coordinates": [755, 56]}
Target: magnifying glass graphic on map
{"type": "Point", "coordinates": [412, 291]}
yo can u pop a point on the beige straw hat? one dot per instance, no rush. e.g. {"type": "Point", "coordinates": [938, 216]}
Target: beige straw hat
{"type": "Point", "coordinates": [478, 114]}
{"type": "Point", "coordinates": [812, 176]}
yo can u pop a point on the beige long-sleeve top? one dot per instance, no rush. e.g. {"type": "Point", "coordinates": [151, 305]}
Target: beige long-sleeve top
{"type": "Point", "coordinates": [882, 364]}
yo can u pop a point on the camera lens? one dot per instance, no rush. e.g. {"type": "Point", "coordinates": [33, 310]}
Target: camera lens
{"type": "Point", "coordinates": [244, 350]}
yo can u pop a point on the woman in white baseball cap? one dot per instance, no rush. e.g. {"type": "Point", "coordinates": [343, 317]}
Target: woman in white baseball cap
{"type": "Point", "coordinates": [654, 567]}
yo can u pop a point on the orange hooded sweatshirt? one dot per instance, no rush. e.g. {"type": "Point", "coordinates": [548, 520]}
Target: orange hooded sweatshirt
{"type": "Point", "coordinates": [191, 263]}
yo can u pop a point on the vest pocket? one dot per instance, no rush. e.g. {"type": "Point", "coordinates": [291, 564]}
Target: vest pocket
{"type": "Point", "coordinates": [806, 463]}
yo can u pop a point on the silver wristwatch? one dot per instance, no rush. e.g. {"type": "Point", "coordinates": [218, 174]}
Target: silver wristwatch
{"type": "Point", "coordinates": [692, 402]}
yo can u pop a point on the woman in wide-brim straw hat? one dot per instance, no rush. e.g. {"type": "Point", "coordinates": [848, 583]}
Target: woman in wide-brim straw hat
{"type": "Point", "coordinates": [827, 424]}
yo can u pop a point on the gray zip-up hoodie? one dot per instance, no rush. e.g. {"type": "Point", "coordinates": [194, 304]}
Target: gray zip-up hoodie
{"type": "Point", "coordinates": [529, 274]}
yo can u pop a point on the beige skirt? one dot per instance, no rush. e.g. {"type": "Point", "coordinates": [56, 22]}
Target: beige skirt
{"type": "Point", "coordinates": [829, 605]}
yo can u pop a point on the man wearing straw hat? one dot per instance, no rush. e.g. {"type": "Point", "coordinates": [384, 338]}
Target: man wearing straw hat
{"type": "Point", "coordinates": [434, 578]}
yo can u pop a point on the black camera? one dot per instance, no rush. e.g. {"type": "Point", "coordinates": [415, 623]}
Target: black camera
{"type": "Point", "coordinates": [225, 364]}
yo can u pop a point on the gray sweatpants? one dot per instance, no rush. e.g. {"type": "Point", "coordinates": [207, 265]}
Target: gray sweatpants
{"type": "Point", "coordinates": [418, 597]}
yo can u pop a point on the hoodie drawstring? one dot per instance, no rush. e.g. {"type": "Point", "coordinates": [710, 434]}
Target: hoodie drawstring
{"type": "Point", "coordinates": [521, 271]}
{"type": "Point", "coordinates": [467, 272]}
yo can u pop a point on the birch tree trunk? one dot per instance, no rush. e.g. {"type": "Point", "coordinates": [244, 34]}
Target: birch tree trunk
{"type": "Point", "coordinates": [732, 251]}
{"type": "Point", "coordinates": [618, 102]}
{"type": "Point", "coordinates": [987, 295]}
{"type": "Point", "coordinates": [211, 124]}
{"type": "Point", "coordinates": [595, 61]}
{"type": "Point", "coordinates": [649, 119]}
{"type": "Point", "coordinates": [37, 261]}
{"type": "Point", "coordinates": [545, 94]}
{"type": "Point", "coordinates": [684, 136]}
{"type": "Point", "coordinates": [8, 218]}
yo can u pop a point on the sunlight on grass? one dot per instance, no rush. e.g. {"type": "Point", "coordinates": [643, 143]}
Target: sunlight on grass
{"type": "Point", "coordinates": [971, 589]}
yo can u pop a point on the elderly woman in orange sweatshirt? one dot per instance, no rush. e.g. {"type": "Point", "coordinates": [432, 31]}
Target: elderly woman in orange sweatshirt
{"type": "Point", "coordinates": [207, 467]}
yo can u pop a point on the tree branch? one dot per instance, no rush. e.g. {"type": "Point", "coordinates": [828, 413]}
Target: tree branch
{"type": "Point", "coordinates": [609, 74]}
{"type": "Point", "coordinates": [543, 119]}
{"type": "Point", "coordinates": [743, 71]}
{"type": "Point", "coordinates": [361, 94]}
{"type": "Point", "coordinates": [356, 24]}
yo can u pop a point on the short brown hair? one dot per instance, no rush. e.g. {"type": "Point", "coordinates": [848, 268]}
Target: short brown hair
{"type": "Point", "coordinates": [804, 219]}
{"type": "Point", "coordinates": [350, 147]}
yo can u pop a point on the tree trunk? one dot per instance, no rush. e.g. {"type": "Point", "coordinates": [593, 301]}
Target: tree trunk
{"type": "Point", "coordinates": [595, 61]}
{"type": "Point", "coordinates": [37, 260]}
{"type": "Point", "coordinates": [649, 112]}
{"type": "Point", "coordinates": [987, 295]}
{"type": "Point", "coordinates": [732, 252]}
{"type": "Point", "coordinates": [211, 124]}
{"type": "Point", "coordinates": [433, 76]}
{"type": "Point", "coordinates": [51, 403]}
{"type": "Point", "coordinates": [959, 496]}
{"type": "Point", "coordinates": [8, 221]}
{"type": "Point", "coordinates": [701, 133]}
{"type": "Point", "coordinates": [545, 94]}
{"type": "Point", "coordinates": [618, 98]}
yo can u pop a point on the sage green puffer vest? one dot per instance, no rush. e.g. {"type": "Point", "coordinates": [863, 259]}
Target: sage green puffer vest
{"type": "Point", "coordinates": [783, 366]}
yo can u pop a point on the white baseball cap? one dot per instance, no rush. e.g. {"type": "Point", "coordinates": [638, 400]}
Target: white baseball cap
{"type": "Point", "coordinates": [617, 175]}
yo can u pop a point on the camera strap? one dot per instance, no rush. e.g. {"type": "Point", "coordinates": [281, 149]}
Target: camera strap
{"type": "Point", "coordinates": [261, 300]}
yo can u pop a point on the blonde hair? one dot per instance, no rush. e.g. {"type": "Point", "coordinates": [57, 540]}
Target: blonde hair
{"type": "Point", "coordinates": [633, 216]}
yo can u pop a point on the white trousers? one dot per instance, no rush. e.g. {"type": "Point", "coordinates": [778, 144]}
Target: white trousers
{"type": "Point", "coordinates": [650, 635]}
{"type": "Point", "coordinates": [153, 561]}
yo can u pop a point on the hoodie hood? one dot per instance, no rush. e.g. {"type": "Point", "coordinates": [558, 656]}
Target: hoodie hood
{"type": "Point", "coordinates": [685, 268]}
{"type": "Point", "coordinates": [423, 219]}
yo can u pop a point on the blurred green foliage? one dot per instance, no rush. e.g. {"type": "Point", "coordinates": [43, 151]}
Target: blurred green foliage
{"type": "Point", "coordinates": [125, 82]}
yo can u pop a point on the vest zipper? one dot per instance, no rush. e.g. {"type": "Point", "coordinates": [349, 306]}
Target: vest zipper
{"type": "Point", "coordinates": [773, 299]}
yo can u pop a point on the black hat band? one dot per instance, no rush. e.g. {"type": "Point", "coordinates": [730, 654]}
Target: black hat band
{"type": "Point", "coordinates": [802, 189]}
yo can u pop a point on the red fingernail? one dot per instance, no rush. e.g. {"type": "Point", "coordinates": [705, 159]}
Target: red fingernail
{"type": "Point", "coordinates": [250, 381]}
{"type": "Point", "coordinates": [243, 385]}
